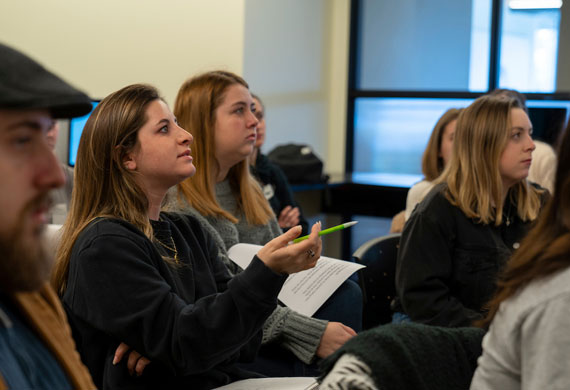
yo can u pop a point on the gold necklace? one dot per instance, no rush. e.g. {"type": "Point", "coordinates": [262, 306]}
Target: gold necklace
{"type": "Point", "coordinates": [171, 249]}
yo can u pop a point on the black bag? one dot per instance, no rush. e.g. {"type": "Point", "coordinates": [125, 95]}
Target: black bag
{"type": "Point", "coordinates": [299, 163]}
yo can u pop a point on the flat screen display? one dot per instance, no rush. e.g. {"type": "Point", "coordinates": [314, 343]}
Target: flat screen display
{"type": "Point", "coordinates": [391, 133]}
{"type": "Point", "coordinates": [76, 126]}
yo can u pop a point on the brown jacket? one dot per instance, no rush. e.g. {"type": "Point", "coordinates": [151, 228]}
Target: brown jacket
{"type": "Point", "coordinates": [43, 312]}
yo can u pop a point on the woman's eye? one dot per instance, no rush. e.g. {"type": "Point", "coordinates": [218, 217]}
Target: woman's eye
{"type": "Point", "coordinates": [239, 110]}
{"type": "Point", "coordinates": [164, 129]}
{"type": "Point", "coordinates": [516, 135]}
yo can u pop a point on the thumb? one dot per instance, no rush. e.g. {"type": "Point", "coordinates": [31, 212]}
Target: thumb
{"type": "Point", "coordinates": [349, 330]}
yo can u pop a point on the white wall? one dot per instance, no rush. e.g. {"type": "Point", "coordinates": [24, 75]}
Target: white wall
{"type": "Point", "coordinates": [294, 54]}
{"type": "Point", "coordinates": [101, 46]}
{"type": "Point", "coordinates": [296, 60]}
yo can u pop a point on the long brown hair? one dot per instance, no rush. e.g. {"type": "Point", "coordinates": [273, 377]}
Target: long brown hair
{"type": "Point", "coordinates": [473, 177]}
{"type": "Point", "coordinates": [103, 186]}
{"type": "Point", "coordinates": [546, 249]}
{"type": "Point", "coordinates": [432, 163]}
{"type": "Point", "coordinates": [195, 109]}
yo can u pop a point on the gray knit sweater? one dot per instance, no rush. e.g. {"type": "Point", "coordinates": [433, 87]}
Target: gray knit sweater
{"type": "Point", "coordinates": [296, 332]}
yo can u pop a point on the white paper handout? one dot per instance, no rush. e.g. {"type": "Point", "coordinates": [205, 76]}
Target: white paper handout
{"type": "Point", "coordinates": [296, 383]}
{"type": "Point", "coordinates": [307, 290]}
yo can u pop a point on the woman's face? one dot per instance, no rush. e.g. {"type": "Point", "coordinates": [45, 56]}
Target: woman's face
{"type": "Point", "coordinates": [260, 115]}
{"type": "Point", "coordinates": [235, 127]}
{"type": "Point", "coordinates": [162, 154]}
{"type": "Point", "coordinates": [447, 142]}
{"type": "Point", "coordinates": [517, 156]}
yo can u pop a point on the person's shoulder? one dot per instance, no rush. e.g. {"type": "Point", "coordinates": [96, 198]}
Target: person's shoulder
{"type": "Point", "coordinates": [190, 223]}
{"type": "Point", "coordinates": [537, 295]}
{"type": "Point", "coordinates": [436, 209]}
{"type": "Point", "coordinates": [189, 217]}
{"type": "Point", "coordinates": [103, 229]}
{"type": "Point", "coordinates": [435, 199]}
{"type": "Point", "coordinates": [419, 190]}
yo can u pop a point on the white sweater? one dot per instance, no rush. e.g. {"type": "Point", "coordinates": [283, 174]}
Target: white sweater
{"type": "Point", "coordinates": [528, 343]}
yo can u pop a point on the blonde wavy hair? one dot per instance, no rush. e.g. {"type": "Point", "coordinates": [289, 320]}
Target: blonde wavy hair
{"type": "Point", "coordinates": [103, 186]}
{"type": "Point", "coordinates": [195, 109]}
{"type": "Point", "coordinates": [473, 178]}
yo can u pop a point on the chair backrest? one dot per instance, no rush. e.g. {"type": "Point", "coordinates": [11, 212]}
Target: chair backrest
{"type": "Point", "coordinates": [377, 280]}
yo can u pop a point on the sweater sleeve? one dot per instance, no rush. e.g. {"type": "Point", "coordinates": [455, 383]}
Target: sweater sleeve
{"type": "Point", "coordinates": [115, 286]}
{"type": "Point", "coordinates": [296, 332]}
{"type": "Point", "coordinates": [544, 343]}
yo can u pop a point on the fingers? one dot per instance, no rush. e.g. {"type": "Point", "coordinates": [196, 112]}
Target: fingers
{"type": "Point", "coordinates": [134, 356]}
{"type": "Point", "coordinates": [136, 363]}
{"type": "Point", "coordinates": [141, 364]}
{"type": "Point", "coordinates": [281, 257]}
{"type": "Point", "coordinates": [288, 236]}
{"type": "Point", "coordinates": [289, 216]}
{"type": "Point", "coordinates": [120, 352]}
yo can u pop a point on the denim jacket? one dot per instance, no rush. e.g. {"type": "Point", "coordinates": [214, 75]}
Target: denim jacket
{"type": "Point", "coordinates": [448, 263]}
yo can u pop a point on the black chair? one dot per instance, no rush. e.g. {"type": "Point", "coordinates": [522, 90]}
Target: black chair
{"type": "Point", "coordinates": [377, 280]}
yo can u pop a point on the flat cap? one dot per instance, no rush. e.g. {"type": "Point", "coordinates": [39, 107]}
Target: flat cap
{"type": "Point", "coordinates": [25, 84]}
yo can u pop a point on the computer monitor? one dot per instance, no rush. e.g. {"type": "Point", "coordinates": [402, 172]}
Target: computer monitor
{"type": "Point", "coordinates": [548, 118]}
{"type": "Point", "coordinates": [391, 133]}
{"type": "Point", "coordinates": [76, 126]}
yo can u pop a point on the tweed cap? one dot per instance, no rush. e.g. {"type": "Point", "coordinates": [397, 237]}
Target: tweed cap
{"type": "Point", "coordinates": [25, 84]}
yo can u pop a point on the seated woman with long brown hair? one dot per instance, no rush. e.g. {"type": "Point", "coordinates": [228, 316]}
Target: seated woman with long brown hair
{"type": "Point", "coordinates": [460, 236]}
{"type": "Point", "coordinates": [218, 109]}
{"type": "Point", "coordinates": [128, 272]}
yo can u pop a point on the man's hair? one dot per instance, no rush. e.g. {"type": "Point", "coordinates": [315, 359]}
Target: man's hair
{"type": "Point", "coordinates": [195, 108]}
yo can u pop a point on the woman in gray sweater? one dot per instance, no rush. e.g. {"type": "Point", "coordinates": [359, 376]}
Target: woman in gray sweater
{"type": "Point", "coordinates": [217, 108]}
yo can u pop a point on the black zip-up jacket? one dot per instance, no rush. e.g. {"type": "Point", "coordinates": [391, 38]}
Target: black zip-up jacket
{"type": "Point", "coordinates": [192, 320]}
{"type": "Point", "coordinates": [448, 264]}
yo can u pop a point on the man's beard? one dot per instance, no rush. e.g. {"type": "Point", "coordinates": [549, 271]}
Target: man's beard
{"type": "Point", "coordinates": [24, 262]}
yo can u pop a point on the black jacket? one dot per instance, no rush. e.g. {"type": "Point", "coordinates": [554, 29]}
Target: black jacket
{"type": "Point", "coordinates": [276, 188]}
{"type": "Point", "coordinates": [448, 263]}
{"type": "Point", "coordinates": [192, 320]}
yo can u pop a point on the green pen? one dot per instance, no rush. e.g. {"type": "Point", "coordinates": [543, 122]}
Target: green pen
{"type": "Point", "coordinates": [329, 230]}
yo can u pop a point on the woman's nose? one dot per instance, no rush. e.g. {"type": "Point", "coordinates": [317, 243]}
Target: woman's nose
{"type": "Point", "coordinates": [185, 136]}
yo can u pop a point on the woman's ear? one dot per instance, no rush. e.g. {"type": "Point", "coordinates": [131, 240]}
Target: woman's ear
{"type": "Point", "coordinates": [129, 162]}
